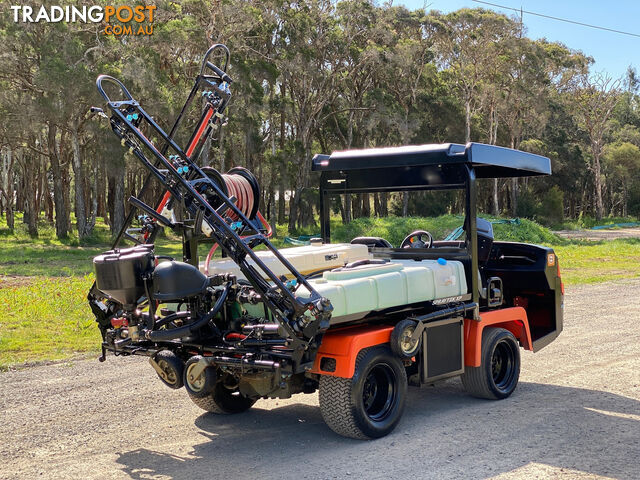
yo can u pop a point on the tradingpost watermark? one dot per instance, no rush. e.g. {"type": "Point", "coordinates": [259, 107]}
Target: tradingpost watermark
{"type": "Point", "coordinates": [118, 20]}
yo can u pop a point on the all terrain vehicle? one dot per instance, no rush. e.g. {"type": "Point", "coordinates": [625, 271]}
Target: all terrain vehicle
{"type": "Point", "coordinates": [357, 322]}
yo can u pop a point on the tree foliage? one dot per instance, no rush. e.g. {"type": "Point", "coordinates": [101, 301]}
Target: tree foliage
{"type": "Point", "coordinates": [314, 76]}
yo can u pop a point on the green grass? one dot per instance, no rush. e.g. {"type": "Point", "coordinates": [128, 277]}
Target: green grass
{"type": "Point", "coordinates": [595, 262]}
{"type": "Point", "coordinates": [45, 255]}
{"type": "Point", "coordinates": [46, 319]}
{"type": "Point", "coordinates": [44, 281]}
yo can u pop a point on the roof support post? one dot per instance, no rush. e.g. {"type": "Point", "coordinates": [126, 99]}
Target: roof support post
{"type": "Point", "coordinates": [325, 211]}
{"type": "Point", "coordinates": [472, 232]}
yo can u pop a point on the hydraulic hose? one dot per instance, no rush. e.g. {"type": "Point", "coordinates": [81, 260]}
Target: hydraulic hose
{"type": "Point", "coordinates": [159, 335]}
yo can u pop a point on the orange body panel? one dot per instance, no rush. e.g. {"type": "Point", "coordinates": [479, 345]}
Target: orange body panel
{"type": "Point", "coordinates": [343, 346]}
{"type": "Point", "coordinates": [513, 319]}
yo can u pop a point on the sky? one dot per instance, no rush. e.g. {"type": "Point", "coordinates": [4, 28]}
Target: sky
{"type": "Point", "coordinates": [612, 52]}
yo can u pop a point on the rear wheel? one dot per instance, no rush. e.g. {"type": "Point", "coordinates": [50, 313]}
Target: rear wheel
{"type": "Point", "coordinates": [223, 401]}
{"type": "Point", "coordinates": [370, 404]}
{"type": "Point", "coordinates": [499, 371]}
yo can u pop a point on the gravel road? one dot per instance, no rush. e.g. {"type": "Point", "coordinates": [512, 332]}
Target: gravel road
{"type": "Point", "coordinates": [608, 234]}
{"type": "Point", "coordinates": [575, 414]}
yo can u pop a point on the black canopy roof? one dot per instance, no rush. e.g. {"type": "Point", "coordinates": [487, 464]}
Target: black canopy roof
{"type": "Point", "coordinates": [488, 161]}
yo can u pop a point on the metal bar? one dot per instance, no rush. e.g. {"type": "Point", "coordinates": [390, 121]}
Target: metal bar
{"type": "Point", "coordinates": [220, 230]}
{"type": "Point", "coordinates": [325, 220]}
{"type": "Point", "coordinates": [472, 233]}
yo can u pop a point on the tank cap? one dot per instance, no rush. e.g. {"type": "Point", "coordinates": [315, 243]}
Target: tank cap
{"type": "Point", "coordinates": [442, 261]}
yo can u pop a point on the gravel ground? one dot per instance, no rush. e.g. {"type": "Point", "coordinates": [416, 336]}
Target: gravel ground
{"type": "Point", "coordinates": [608, 234]}
{"type": "Point", "coordinates": [575, 414]}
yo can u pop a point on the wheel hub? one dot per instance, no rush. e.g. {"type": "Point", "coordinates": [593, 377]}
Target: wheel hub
{"type": "Point", "coordinates": [196, 383]}
{"type": "Point", "coordinates": [502, 365]}
{"type": "Point", "coordinates": [406, 343]}
{"type": "Point", "coordinates": [379, 392]}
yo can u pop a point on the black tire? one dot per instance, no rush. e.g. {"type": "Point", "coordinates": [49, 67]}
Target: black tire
{"type": "Point", "coordinates": [370, 404]}
{"type": "Point", "coordinates": [173, 368]}
{"type": "Point", "coordinates": [497, 376]}
{"type": "Point", "coordinates": [204, 384]}
{"type": "Point", "coordinates": [400, 341]}
{"type": "Point", "coordinates": [223, 401]}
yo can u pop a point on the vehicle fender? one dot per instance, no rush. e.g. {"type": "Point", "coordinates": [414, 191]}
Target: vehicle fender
{"type": "Point", "coordinates": [343, 345]}
{"type": "Point", "coordinates": [513, 319]}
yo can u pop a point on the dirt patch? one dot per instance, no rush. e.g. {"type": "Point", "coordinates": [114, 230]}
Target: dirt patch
{"type": "Point", "coordinates": [13, 281]}
{"type": "Point", "coordinates": [575, 414]}
{"type": "Point", "coordinates": [594, 235]}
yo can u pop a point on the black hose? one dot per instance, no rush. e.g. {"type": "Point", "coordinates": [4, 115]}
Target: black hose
{"type": "Point", "coordinates": [158, 335]}
{"type": "Point", "coordinates": [170, 318]}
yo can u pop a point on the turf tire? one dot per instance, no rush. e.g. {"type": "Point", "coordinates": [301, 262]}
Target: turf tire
{"type": "Point", "coordinates": [497, 376]}
{"type": "Point", "coordinates": [343, 400]}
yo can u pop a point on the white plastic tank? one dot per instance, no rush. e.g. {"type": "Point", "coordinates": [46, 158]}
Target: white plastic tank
{"type": "Point", "coordinates": [306, 259]}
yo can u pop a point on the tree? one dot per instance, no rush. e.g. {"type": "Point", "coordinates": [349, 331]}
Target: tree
{"type": "Point", "coordinates": [463, 41]}
{"type": "Point", "coordinates": [594, 100]}
{"type": "Point", "coordinates": [623, 160]}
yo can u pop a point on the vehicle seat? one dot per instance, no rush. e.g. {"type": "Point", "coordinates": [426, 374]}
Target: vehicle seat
{"type": "Point", "coordinates": [371, 242]}
{"type": "Point", "coordinates": [485, 240]}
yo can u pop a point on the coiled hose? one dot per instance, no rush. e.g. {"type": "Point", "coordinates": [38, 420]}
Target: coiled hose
{"type": "Point", "coordinates": [241, 184]}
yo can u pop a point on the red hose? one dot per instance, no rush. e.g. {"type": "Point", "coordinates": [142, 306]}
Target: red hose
{"type": "Point", "coordinates": [239, 187]}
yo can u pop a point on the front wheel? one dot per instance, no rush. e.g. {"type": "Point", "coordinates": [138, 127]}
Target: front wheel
{"type": "Point", "coordinates": [499, 371]}
{"type": "Point", "coordinates": [370, 404]}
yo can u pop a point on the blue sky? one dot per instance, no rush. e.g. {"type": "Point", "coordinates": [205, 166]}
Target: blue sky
{"type": "Point", "coordinates": [612, 52]}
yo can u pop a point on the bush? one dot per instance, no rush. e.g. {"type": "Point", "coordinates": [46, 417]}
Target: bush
{"type": "Point", "coordinates": [395, 229]}
{"type": "Point", "coordinates": [527, 204]}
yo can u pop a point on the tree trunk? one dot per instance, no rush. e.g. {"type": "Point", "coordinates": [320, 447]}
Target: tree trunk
{"type": "Point", "coordinates": [597, 177]}
{"type": "Point", "coordinates": [467, 120]}
{"type": "Point", "coordinates": [8, 162]}
{"type": "Point", "coordinates": [91, 218]}
{"type": "Point", "coordinates": [384, 204]}
{"type": "Point", "coordinates": [496, 205]}
{"type": "Point", "coordinates": [116, 197]}
{"type": "Point", "coordinates": [514, 196]}
{"type": "Point", "coordinates": [79, 198]}
{"type": "Point", "coordinates": [356, 206]}
{"type": "Point", "coordinates": [366, 205]}
{"type": "Point", "coordinates": [347, 208]}
{"type": "Point", "coordinates": [62, 222]}
{"type": "Point", "coordinates": [405, 203]}
{"type": "Point", "coordinates": [293, 209]}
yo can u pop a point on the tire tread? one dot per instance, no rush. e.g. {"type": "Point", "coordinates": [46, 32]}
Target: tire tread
{"type": "Point", "coordinates": [336, 406]}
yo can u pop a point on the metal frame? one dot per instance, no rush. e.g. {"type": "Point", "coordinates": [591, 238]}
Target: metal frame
{"type": "Point", "coordinates": [127, 120]}
{"type": "Point", "coordinates": [419, 168]}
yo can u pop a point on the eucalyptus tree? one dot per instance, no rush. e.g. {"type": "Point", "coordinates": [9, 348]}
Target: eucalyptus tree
{"type": "Point", "coordinates": [594, 101]}
{"type": "Point", "coordinates": [623, 161]}
{"type": "Point", "coordinates": [462, 42]}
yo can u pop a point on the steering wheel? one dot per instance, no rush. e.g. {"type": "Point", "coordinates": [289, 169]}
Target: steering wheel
{"type": "Point", "coordinates": [414, 240]}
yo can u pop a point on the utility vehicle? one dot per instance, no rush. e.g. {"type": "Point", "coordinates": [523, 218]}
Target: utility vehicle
{"type": "Point", "coordinates": [357, 322]}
